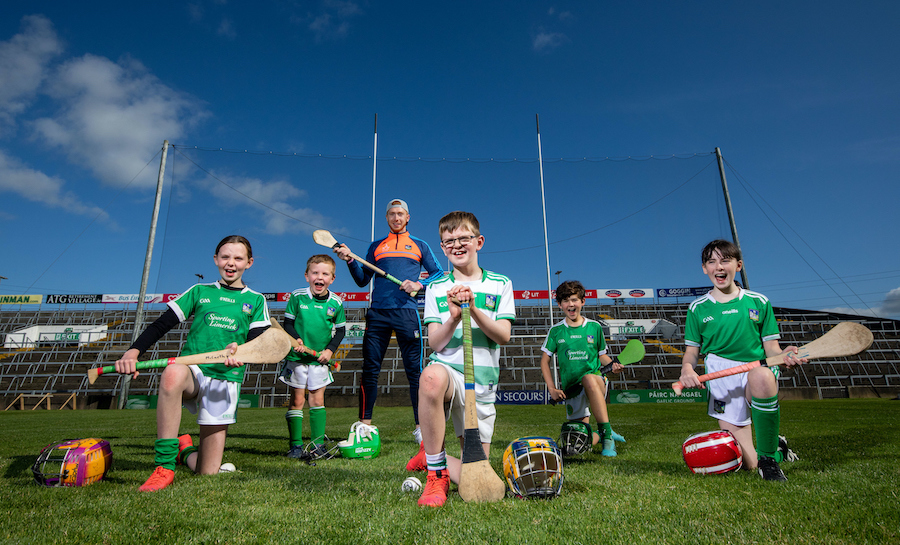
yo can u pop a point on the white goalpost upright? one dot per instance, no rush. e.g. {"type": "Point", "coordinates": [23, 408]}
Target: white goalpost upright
{"type": "Point", "coordinates": [537, 122]}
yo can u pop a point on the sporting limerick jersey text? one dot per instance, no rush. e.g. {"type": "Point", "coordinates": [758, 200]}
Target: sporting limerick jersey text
{"type": "Point", "coordinates": [221, 316]}
{"type": "Point", "coordinates": [578, 350]}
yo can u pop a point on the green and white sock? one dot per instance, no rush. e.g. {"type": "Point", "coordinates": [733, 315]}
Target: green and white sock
{"type": "Point", "coordinates": [436, 462]}
{"type": "Point", "coordinates": [295, 427]}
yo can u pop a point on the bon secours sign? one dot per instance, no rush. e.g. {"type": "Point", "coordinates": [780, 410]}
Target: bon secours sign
{"type": "Point", "coordinates": [539, 397]}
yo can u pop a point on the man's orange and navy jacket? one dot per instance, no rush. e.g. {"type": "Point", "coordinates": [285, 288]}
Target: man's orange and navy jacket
{"type": "Point", "coordinates": [402, 256]}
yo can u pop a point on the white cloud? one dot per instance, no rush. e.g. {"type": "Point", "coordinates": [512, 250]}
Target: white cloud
{"type": "Point", "coordinates": [112, 116]}
{"type": "Point", "coordinates": [890, 307]}
{"type": "Point", "coordinates": [875, 312]}
{"type": "Point", "coordinates": [545, 41]}
{"type": "Point", "coordinates": [226, 29]}
{"type": "Point", "coordinates": [39, 187]}
{"type": "Point", "coordinates": [23, 65]}
{"type": "Point", "coordinates": [332, 20]}
{"type": "Point", "coordinates": [272, 198]}
{"type": "Point", "coordinates": [891, 304]}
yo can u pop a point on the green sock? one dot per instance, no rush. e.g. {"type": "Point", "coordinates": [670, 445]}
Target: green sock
{"type": "Point", "coordinates": [295, 427]}
{"type": "Point", "coordinates": [317, 424]}
{"type": "Point", "coordinates": [605, 431]}
{"type": "Point", "coordinates": [166, 453]}
{"type": "Point", "coordinates": [766, 420]}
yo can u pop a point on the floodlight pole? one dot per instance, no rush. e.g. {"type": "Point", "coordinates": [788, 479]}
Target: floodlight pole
{"type": "Point", "coordinates": [537, 122]}
{"type": "Point", "coordinates": [734, 234]}
{"type": "Point", "coordinates": [139, 313]}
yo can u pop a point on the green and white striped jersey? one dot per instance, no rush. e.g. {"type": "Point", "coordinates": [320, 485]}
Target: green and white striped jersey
{"type": "Point", "coordinates": [494, 297]}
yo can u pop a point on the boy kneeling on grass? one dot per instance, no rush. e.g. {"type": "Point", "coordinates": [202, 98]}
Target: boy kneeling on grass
{"type": "Point", "coordinates": [442, 386]}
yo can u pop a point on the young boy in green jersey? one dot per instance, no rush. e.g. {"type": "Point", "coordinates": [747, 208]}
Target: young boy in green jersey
{"type": "Point", "coordinates": [731, 326]}
{"type": "Point", "coordinates": [315, 318]}
{"type": "Point", "coordinates": [442, 385]}
{"type": "Point", "coordinates": [227, 313]}
{"type": "Point", "coordinates": [580, 348]}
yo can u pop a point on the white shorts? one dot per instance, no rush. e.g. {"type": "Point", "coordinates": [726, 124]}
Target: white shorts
{"type": "Point", "coordinates": [727, 395]}
{"type": "Point", "coordinates": [579, 407]}
{"type": "Point", "coordinates": [486, 411]}
{"type": "Point", "coordinates": [305, 376]}
{"type": "Point", "coordinates": [216, 401]}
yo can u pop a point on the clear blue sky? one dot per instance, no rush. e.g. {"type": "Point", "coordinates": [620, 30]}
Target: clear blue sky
{"type": "Point", "coordinates": [800, 96]}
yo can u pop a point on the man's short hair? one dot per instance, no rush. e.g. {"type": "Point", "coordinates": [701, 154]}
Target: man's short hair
{"type": "Point", "coordinates": [568, 289]}
{"type": "Point", "coordinates": [320, 258]}
{"type": "Point", "coordinates": [726, 248]}
{"type": "Point", "coordinates": [458, 219]}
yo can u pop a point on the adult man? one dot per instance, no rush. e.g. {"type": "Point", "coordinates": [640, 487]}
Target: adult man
{"type": "Point", "coordinates": [392, 309]}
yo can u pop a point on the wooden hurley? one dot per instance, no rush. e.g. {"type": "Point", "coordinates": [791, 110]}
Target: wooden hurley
{"type": "Point", "coordinates": [478, 482]}
{"type": "Point", "coordinates": [845, 339]}
{"type": "Point", "coordinates": [270, 347]}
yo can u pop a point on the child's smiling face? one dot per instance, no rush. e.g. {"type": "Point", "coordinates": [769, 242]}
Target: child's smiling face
{"type": "Point", "coordinates": [571, 307]}
{"type": "Point", "coordinates": [232, 260]}
{"type": "Point", "coordinates": [722, 270]}
{"type": "Point", "coordinates": [461, 246]}
{"type": "Point", "coordinates": [319, 276]}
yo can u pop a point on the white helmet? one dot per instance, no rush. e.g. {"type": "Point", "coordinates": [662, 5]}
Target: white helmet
{"type": "Point", "coordinates": [362, 442]}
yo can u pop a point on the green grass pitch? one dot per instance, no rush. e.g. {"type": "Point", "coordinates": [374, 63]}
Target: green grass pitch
{"type": "Point", "coordinates": [844, 489]}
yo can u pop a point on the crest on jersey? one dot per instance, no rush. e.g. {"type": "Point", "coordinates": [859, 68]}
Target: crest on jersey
{"type": "Point", "coordinates": [590, 339]}
{"type": "Point", "coordinates": [330, 312]}
{"type": "Point", "coordinates": [754, 314]}
{"type": "Point", "coordinates": [247, 308]}
{"type": "Point", "coordinates": [490, 302]}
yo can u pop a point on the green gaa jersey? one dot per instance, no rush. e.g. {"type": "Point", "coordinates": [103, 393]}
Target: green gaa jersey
{"type": "Point", "coordinates": [221, 316]}
{"type": "Point", "coordinates": [578, 350]}
{"type": "Point", "coordinates": [314, 320]}
{"type": "Point", "coordinates": [493, 297]}
{"type": "Point", "coordinates": [734, 330]}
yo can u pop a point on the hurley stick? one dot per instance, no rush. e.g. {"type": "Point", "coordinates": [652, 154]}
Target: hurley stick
{"type": "Point", "coordinates": [845, 339]}
{"type": "Point", "coordinates": [478, 482]}
{"type": "Point", "coordinates": [324, 238]}
{"type": "Point", "coordinates": [270, 347]}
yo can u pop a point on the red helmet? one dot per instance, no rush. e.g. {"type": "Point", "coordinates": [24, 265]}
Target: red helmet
{"type": "Point", "coordinates": [712, 452]}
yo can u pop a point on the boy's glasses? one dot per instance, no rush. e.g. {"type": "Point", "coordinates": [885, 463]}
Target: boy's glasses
{"type": "Point", "coordinates": [463, 241]}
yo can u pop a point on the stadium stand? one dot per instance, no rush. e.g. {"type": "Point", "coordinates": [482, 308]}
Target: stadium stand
{"type": "Point", "coordinates": [52, 373]}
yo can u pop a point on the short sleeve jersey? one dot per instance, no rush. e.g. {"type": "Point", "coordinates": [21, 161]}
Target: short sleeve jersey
{"type": "Point", "coordinates": [314, 320]}
{"type": "Point", "coordinates": [734, 330]}
{"type": "Point", "coordinates": [221, 316]}
{"type": "Point", "coordinates": [578, 350]}
{"type": "Point", "coordinates": [494, 297]}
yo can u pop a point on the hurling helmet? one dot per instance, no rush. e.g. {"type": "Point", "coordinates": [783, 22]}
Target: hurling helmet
{"type": "Point", "coordinates": [362, 442]}
{"type": "Point", "coordinates": [78, 462]}
{"type": "Point", "coordinates": [575, 437]}
{"type": "Point", "coordinates": [533, 467]}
